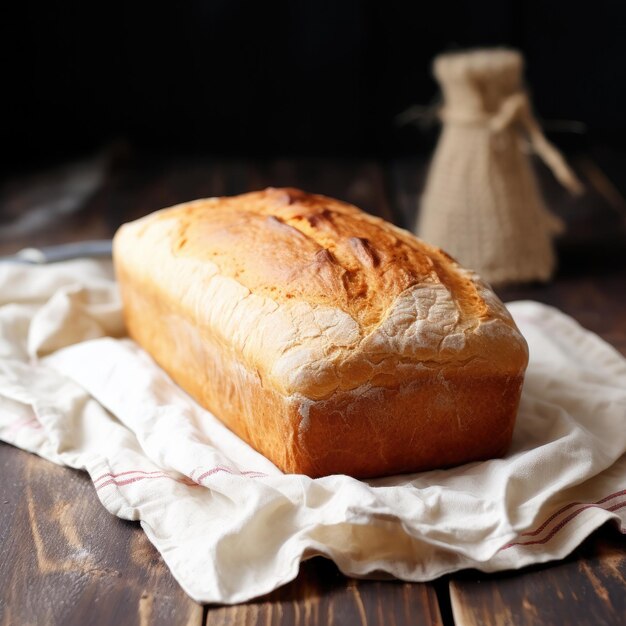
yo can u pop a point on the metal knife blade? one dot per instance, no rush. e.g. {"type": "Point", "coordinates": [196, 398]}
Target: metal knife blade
{"type": "Point", "coordinates": [61, 252]}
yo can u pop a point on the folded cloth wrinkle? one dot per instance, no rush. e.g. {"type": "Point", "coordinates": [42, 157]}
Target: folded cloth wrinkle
{"type": "Point", "coordinates": [230, 525]}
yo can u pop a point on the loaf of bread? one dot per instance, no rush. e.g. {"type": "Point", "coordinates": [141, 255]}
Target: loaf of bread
{"type": "Point", "coordinates": [328, 339]}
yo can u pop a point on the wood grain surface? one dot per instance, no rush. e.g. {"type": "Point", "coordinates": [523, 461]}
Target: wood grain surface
{"type": "Point", "coordinates": [65, 560]}
{"type": "Point", "coordinates": [321, 595]}
{"type": "Point", "coordinates": [585, 589]}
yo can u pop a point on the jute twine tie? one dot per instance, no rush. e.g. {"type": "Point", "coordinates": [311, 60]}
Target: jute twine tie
{"type": "Point", "coordinates": [516, 109]}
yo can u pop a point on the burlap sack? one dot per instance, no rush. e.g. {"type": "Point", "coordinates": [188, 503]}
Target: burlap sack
{"type": "Point", "coordinates": [481, 202]}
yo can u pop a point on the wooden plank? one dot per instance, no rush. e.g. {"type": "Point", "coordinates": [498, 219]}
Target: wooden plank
{"type": "Point", "coordinates": [322, 596]}
{"type": "Point", "coordinates": [65, 561]}
{"type": "Point", "coordinates": [589, 587]}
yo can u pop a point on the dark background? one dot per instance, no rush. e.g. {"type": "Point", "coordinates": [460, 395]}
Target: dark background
{"type": "Point", "coordinates": [237, 77]}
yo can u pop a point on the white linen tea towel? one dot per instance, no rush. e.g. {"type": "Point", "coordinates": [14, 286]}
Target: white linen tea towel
{"type": "Point", "coordinates": [230, 525]}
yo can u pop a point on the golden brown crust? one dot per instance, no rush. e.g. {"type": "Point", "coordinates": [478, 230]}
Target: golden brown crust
{"type": "Point", "coordinates": [294, 245]}
{"type": "Point", "coordinates": [328, 339]}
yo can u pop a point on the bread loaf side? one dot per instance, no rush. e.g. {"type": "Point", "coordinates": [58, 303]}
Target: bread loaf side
{"type": "Point", "coordinates": [330, 340]}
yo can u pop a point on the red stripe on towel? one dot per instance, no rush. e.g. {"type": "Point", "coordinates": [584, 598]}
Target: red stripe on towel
{"type": "Point", "coordinates": [25, 422]}
{"type": "Point", "coordinates": [112, 478]}
{"type": "Point", "coordinates": [221, 468]}
{"type": "Point", "coordinates": [569, 506]}
{"type": "Point", "coordinates": [110, 475]}
{"type": "Point", "coordinates": [128, 481]}
{"type": "Point", "coordinates": [566, 521]}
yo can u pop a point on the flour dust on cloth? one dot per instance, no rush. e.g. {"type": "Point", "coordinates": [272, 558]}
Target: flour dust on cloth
{"type": "Point", "coordinates": [230, 525]}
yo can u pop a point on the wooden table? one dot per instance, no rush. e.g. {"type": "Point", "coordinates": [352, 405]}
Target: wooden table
{"type": "Point", "coordinates": [64, 560]}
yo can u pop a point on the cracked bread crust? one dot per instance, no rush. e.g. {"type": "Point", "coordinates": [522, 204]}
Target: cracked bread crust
{"type": "Point", "coordinates": [330, 340]}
